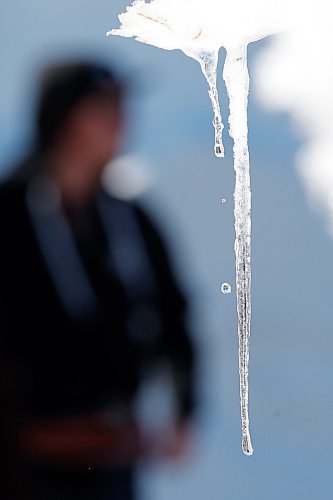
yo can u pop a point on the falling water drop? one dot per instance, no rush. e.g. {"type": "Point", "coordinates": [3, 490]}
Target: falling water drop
{"type": "Point", "coordinates": [226, 288]}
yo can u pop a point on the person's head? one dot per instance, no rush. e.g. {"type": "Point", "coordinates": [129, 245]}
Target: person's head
{"type": "Point", "coordinates": [79, 118]}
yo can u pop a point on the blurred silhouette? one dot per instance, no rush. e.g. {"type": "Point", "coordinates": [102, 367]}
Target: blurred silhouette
{"type": "Point", "coordinates": [89, 305]}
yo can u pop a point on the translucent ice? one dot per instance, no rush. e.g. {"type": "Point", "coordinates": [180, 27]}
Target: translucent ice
{"type": "Point", "coordinates": [196, 28]}
{"type": "Point", "coordinates": [200, 28]}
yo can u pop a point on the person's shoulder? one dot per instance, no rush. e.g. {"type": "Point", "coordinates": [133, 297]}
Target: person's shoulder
{"type": "Point", "coordinates": [148, 224]}
{"type": "Point", "coordinates": [127, 204]}
{"type": "Point", "coordinates": [13, 187]}
{"type": "Point", "coordinates": [12, 206]}
{"type": "Point", "coordinates": [11, 192]}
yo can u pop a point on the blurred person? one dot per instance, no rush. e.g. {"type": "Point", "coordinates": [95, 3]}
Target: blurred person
{"type": "Point", "coordinates": [89, 305]}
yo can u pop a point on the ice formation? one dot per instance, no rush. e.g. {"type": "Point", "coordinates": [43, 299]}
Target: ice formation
{"type": "Point", "coordinates": [200, 28]}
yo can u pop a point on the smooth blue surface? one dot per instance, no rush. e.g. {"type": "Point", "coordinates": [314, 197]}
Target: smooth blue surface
{"type": "Point", "coordinates": [291, 361]}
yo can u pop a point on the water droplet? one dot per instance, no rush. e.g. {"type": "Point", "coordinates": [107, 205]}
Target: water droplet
{"type": "Point", "coordinates": [223, 200]}
{"type": "Point", "coordinates": [219, 151]}
{"type": "Point", "coordinates": [226, 288]}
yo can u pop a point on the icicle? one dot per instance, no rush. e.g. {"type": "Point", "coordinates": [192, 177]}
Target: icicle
{"type": "Point", "coordinates": [236, 77]}
{"type": "Point", "coordinates": [173, 24]}
{"type": "Point", "coordinates": [208, 62]}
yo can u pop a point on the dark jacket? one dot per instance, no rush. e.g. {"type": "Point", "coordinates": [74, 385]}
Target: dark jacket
{"type": "Point", "coordinates": [69, 346]}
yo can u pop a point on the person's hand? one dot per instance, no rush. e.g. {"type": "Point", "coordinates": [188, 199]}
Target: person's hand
{"type": "Point", "coordinates": [178, 443]}
{"type": "Point", "coordinates": [81, 440]}
{"type": "Point", "coordinates": [172, 443]}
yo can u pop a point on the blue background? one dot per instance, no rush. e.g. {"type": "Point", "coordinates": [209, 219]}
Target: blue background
{"type": "Point", "coordinates": [170, 131]}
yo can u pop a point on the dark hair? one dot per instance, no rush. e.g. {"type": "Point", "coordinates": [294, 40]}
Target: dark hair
{"type": "Point", "coordinates": [65, 85]}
